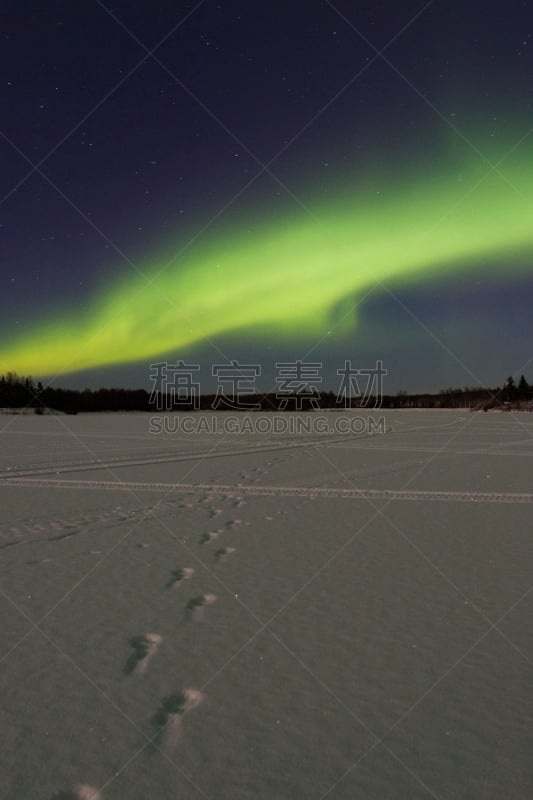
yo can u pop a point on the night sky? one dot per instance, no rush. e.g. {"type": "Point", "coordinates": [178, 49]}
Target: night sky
{"type": "Point", "coordinates": [267, 181]}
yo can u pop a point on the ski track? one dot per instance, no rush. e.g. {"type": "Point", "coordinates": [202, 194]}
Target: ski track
{"type": "Point", "coordinates": [95, 463]}
{"type": "Point", "coordinates": [273, 491]}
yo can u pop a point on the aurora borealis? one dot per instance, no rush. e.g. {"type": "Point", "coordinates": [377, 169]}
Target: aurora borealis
{"type": "Point", "coordinates": [258, 179]}
{"type": "Point", "coordinates": [285, 281]}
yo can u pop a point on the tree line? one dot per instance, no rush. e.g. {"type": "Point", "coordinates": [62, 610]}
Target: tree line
{"type": "Point", "coordinates": [23, 393]}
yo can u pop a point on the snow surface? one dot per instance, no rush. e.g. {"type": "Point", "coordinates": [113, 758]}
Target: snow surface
{"type": "Point", "coordinates": [267, 616]}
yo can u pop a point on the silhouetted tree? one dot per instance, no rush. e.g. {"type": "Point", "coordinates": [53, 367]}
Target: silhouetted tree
{"type": "Point", "coordinates": [523, 390]}
{"type": "Point", "coordinates": [509, 391]}
{"type": "Point", "coordinates": [19, 392]}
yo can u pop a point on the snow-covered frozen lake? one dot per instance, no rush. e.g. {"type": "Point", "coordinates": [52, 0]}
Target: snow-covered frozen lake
{"type": "Point", "coordinates": [352, 609]}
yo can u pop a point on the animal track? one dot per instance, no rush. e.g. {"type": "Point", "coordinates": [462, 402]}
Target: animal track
{"type": "Point", "coordinates": [233, 523]}
{"type": "Point", "coordinates": [223, 552]}
{"type": "Point", "coordinates": [145, 647]}
{"type": "Point", "coordinates": [57, 530]}
{"type": "Point", "coordinates": [209, 537]}
{"type": "Point", "coordinates": [169, 718]}
{"type": "Point", "coordinates": [195, 607]}
{"type": "Point", "coordinates": [180, 575]}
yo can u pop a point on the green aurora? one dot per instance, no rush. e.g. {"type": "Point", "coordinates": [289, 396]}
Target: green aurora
{"type": "Point", "coordinates": [283, 279]}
